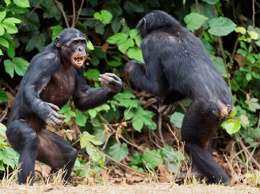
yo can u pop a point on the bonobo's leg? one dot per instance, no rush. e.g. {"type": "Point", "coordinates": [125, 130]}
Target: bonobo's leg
{"type": "Point", "coordinates": [199, 124]}
{"type": "Point", "coordinates": [25, 141]}
{"type": "Point", "coordinates": [56, 152]}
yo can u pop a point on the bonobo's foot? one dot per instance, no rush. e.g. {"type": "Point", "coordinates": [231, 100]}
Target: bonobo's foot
{"type": "Point", "coordinates": [189, 174]}
{"type": "Point", "coordinates": [218, 180]}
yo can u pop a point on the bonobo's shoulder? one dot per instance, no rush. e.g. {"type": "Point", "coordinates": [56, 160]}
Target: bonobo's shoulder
{"type": "Point", "coordinates": [159, 38]}
{"type": "Point", "coordinates": [44, 57]}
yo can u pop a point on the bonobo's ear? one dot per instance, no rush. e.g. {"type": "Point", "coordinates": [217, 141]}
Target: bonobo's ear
{"type": "Point", "coordinates": [141, 24]}
{"type": "Point", "coordinates": [58, 42]}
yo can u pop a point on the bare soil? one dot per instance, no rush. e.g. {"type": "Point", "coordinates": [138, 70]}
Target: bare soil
{"type": "Point", "coordinates": [153, 188]}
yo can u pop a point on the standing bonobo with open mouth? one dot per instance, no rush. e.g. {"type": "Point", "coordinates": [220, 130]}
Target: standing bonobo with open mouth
{"type": "Point", "coordinates": [54, 76]}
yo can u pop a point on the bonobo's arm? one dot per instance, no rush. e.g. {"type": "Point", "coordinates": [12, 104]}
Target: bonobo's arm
{"type": "Point", "coordinates": [87, 98]}
{"type": "Point", "coordinates": [36, 78]}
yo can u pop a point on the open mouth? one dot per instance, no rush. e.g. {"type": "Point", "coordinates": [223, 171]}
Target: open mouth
{"type": "Point", "coordinates": [78, 61]}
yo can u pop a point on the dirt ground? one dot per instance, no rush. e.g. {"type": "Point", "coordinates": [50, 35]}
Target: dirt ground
{"type": "Point", "coordinates": [153, 188]}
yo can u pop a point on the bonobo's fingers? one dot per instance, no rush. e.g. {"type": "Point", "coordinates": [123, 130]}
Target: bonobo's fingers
{"type": "Point", "coordinates": [111, 81]}
{"type": "Point", "coordinates": [166, 109]}
{"type": "Point", "coordinates": [55, 119]}
{"type": "Point", "coordinates": [53, 106]}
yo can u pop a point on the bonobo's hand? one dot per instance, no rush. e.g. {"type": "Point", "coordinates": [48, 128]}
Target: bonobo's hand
{"type": "Point", "coordinates": [166, 109]}
{"type": "Point", "coordinates": [54, 118]}
{"type": "Point", "coordinates": [111, 81]}
{"type": "Point", "coordinates": [131, 65]}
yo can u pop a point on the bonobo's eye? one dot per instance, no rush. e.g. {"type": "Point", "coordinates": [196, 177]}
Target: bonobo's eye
{"type": "Point", "coordinates": [75, 42]}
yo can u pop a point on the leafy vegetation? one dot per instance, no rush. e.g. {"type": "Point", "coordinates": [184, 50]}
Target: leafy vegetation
{"type": "Point", "coordinates": [118, 128]}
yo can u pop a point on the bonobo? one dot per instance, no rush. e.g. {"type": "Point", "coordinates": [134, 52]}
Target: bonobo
{"type": "Point", "coordinates": [53, 77]}
{"type": "Point", "coordinates": [177, 66]}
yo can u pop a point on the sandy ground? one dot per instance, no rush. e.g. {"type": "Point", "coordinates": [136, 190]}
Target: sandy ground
{"type": "Point", "coordinates": [129, 189]}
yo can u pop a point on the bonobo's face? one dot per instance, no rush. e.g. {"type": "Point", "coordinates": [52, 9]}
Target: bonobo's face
{"type": "Point", "coordinates": [78, 47]}
{"type": "Point", "coordinates": [72, 45]}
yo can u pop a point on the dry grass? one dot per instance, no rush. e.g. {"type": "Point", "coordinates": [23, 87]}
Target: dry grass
{"type": "Point", "coordinates": [54, 185]}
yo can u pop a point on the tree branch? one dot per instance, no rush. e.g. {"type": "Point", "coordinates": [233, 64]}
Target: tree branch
{"type": "Point", "coordinates": [62, 12]}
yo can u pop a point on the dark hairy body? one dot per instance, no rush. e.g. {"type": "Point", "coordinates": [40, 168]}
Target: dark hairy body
{"type": "Point", "coordinates": [176, 66]}
{"type": "Point", "coordinates": [53, 77]}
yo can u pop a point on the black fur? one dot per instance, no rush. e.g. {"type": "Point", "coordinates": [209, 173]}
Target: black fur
{"type": "Point", "coordinates": [177, 66]}
{"type": "Point", "coordinates": [53, 77]}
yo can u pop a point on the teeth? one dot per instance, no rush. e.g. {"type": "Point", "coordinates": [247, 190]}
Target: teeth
{"type": "Point", "coordinates": [78, 59]}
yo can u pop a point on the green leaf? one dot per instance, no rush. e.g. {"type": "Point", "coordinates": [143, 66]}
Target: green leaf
{"type": "Point", "coordinates": [118, 38]}
{"type": "Point", "coordinates": [95, 154]}
{"type": "Point", "coordinates": [221, 26]}
{"type": "Point", "coordinates": [248, 76]}
{"type": "Point", "coordinates": [115, 63]}
{"type": "Point", "coordinates": [128, 114]}
{"type": "Point", "coordinates": [177, 119]}
{"type": "Point", "coordinates": [22, 3]}
{"type": "Point", "coordinates": [211, 2]}
{"type": "Point", "coordinates": [10, 27]}
{"type": "Point", "coordinates": [4, 42]}
{"type": "Point", "coordinates": [90, 45]}
{"type": "Point", "coordinates": [241, 30]}
{"type": "Point", "coordinates": [126, 100]}
{"type": "Point", "coordinates": [135, 53]}
{"type": "Point", "coordinates": [253, 35]}
{"type": "Point", "coordinates": [20, 65]}
{"type": "Point", "coordinates": [137, 123]}
{"type": "Point", "coordinates": [137, 159]}
{"type": "Point", "coordinates": [118, 151]}
{"type": "Point", "coordinates": [127, 44]}
{"type": "Point", "coordinates": [172, 158]}
{"type": "Point", "coordinates": [80, 118]}
{"type": "Point", "coordinates": [194, 21]}
{"type": "Point", "coordinates": [12, 20]}
{"type": "Point", "coordinates": [86, 137]}
{"type": "Point", "coordinates": [231, 126]}
{"type": "Point", "coordinates": [56, 30]}
{"type": "Point", "coordinates": [220, 65]}
{"type": "Point", "coordinates": [2, 16]}
{"type": "Point", "coordinates": [133, 33]}
{"type": "Point", "coordinates": [3, 96]}
{"type": "Point", "coordinates": [37, 40]}
{"type": "Point", "coordinates": [152, 158]}
{"type": "Point", "coordinates": [51, 10]}
{"type": "Point", "coordinates": [2, 129]}
{"type": "Point", "coordinates": [9, 67]}
{"type": "Point", "coordinates": [7, 2]}
{"type": "Point", "coordinates": [99, 133]}
{"type": "Point", "coordinates": [2, 30]}
{"type": "Point", "coordinates": [2, 168]}
{"type": "Point", "coordinates": [92, 113]}
{"type": "Point", "coordinates": [92, 74]}
{"type": "Point", "coordinates": [68, 112]}
{"type": "Point", "coordinates": [105, 16]}
{"type": "Point", "coordinates": [32, 24]}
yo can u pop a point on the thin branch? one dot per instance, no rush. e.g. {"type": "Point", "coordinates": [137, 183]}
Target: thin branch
{"type": "Point", "coordinates": [224, 58]}
{"type": "Point", "coordinates": [62, 12]}
{"type": "Point", "coordinates": [74, 14]}
{"type": "Point", "coordinates": [160, 128]}
{"type": "Point", "coordinates": [80, 8]}
{"type": "Point", "coordinates": [248, 153]}
{"type": "Point", "coordinates": [4, 113]}
{"type": "Point", "coordinates": [30, 14]}
{"type": "Point", "coordinates": [197, 6]}
{"type": "Point", "coordinates": [253, 13]}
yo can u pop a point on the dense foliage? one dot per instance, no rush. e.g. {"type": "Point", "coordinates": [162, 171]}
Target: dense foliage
{"type": "Point", "coordinates": [128, 129]}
